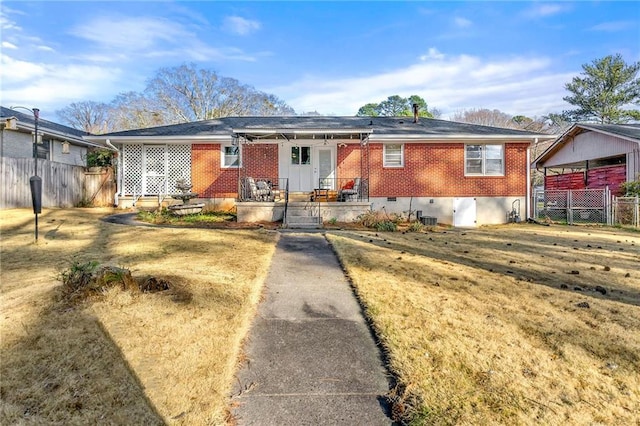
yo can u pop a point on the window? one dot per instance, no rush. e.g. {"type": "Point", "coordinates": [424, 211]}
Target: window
{"type": "Point", "coordinates": [300, 155]}
{"type": "Point", "coordinates": [230, 156]}
{"type": "Point", "coordinates": [484, 160]}
{"type": "Point", "coordinates": [43, 149]}
{"type": "Point", "coordinates": [393, 155]}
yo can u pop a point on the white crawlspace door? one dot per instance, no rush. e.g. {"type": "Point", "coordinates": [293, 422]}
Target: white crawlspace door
{"type": "Point", "coordinates": [464, 212]}
{"type": "Point", "coordinates": [154, 169]}
{"type": "Point", "coordinates": [324, 170]}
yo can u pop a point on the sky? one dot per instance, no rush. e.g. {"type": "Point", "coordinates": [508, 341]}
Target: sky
{"type": "Point", "coordinates": [325, 57]}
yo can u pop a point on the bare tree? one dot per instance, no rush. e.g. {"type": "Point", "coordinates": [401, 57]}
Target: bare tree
{"type": "Point", "coordinates": [90, 116]}
{"type": "Point", "coordinates": [187, 93]}
{"type": "Point", "coordinates": [486, 117]}
{"type": "Point", "coordinates": [132, 110]}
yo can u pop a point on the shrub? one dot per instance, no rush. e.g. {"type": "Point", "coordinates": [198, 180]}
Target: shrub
{"type": "Point", "coordinates": [415, 227]}
{"type": "Point", "coordinates": [99, 158]}
{"type": "Point", "coordinates": [631, 188]}
{"type": "Point", "coordinates": [379, 220]}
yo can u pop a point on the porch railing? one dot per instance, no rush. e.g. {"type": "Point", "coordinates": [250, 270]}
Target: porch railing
{"type": "Point", "coordinates": [263, 189]}
{"type": "Point", "coordinates": [347, 189]}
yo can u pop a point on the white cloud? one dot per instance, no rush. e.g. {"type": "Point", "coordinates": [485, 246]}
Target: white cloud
{"type": "Point", "coordinates": [149, 37]}
{"type": "Point", "coordinates": [462, 22]}
{"type": "Point", "coordinates": [241, 26]}
{"type": "Point", "coordinates": [129, 33]}
{"type": "Point", "coordinates": [612, 26]}
{"type": "Point", "coordinates": [518, 85]}
{"type": "Point", "coordinates": [49, 86]}
{"type": "Point", "coordinates": [44, 48]}
{"type": "Point", "coordinates": [432, 53]}
{"type": "Point", "coordinates": [7, 45]}
{"type": "Point", "coordinates": [546, 9]}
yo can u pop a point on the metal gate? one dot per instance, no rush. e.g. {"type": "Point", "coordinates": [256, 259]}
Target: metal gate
{"type": "Point", "coordinates": [573, 206]}
{"type": "Point", "coordinates": [626, 211]}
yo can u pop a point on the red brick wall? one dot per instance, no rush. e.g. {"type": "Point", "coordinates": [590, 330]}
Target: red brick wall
{"type": "Point", "coordinates": [599, 178]}
{"type": "Point", "coordinates": [209, 179]}
{"type": "Point", "coordinates": [435, 170]}
{"type": "Point", "coordinates": [261, 161]}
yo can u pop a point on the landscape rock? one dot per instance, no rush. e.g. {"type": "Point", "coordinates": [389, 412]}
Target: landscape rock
{"type": "Point", "coordinates": [583, 305]}
{"type": "Point", "coordinates": [601, 289]}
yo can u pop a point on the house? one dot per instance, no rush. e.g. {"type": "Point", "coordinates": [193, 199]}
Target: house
{"type": "Point", "coordinates": [267, 167]}
{"type": "Point", "coordinates": [56, 142]}
{"type": "Point", "coordinates": [592, 156]}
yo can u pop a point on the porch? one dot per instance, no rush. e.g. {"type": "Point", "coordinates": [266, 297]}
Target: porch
{"type": "Point", "coordinates": [269, 200]}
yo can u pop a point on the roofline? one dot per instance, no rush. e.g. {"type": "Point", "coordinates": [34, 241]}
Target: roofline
{"type": "Point", "coordinates": [542, 157]}
{"type": "Point", "coordinates": [595, 129]}
{"type": "Point", "coordinates": [162, 138]}
{"type": "Point", "coordinates": [316, 131]}
{"type": "Point", "coordinates": [76, 140]}
{"type": "Point", "coordinates": [460, 137]}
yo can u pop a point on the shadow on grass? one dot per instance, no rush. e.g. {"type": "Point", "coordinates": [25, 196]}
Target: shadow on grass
{"type": "Point", "coordinates": [443, 248]}
{"type": "Point", "coordinates": [66, 370]}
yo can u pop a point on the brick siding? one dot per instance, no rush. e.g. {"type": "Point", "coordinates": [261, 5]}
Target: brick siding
{"type": "Point", "coordinates": [430, 170]}
{"type": "Point", "coordinates": [436, 170]}
{"type": "Point", "coordinates": [211, 180]}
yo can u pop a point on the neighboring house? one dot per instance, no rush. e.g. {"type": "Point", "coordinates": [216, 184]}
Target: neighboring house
{"type": "Point", "coordinates": [57, 143]}
{"type": "Point", "coordinates": [461, 174]}
{"type": "Point", "coordinates": [592, 156]}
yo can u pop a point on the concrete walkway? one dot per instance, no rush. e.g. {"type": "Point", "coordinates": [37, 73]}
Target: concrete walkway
{"type": "Point", "coordinates": [311, 359]}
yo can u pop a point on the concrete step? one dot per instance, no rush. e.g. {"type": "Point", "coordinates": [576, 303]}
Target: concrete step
{"type": "Point", "coordinates": [304, 222]}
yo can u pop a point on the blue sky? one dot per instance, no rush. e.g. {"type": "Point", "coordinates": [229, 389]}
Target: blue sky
{"type": "Point", "coordinates": [329, 57]}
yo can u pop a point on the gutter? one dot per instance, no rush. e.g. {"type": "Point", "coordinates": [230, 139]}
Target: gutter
{"type": "Point", "coordinates": [151, 138]}
{"type": "Point", "coordinates": [77, 140]}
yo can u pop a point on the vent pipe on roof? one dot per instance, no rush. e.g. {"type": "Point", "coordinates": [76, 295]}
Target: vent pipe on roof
{"type": "Point", "coordinates": [415, 112]}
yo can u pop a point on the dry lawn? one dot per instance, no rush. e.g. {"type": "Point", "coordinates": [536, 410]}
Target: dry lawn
{"type": "Point", "coordinates": [502, 325]}
{"type": "Point", "coordinates": [124, 357]}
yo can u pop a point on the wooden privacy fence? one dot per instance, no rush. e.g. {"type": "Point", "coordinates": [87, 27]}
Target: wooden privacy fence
{"type": "Point", "coordinates": [63, 185]}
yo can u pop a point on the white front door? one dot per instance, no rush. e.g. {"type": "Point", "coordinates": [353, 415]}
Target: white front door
{"type": "Point", "coordinates": [324, 170]}
{"type": "Point", "coordinates": [296, 164]}
{"type": "Point", "coordinates": [464, 212]}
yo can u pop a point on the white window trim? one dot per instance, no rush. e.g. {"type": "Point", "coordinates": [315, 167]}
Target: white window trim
{"type": "Point", "coordinates": [484, 163]}
{"type": "Point", "coordinates": [222, 156]}
{"type": "Point", "coordinates": [384, 156]}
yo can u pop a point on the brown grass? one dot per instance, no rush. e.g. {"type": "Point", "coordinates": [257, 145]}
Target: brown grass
{"type": "Point", "coordinates": [124, 357]}
{"type": "Point", "coordinates": [484, 326]}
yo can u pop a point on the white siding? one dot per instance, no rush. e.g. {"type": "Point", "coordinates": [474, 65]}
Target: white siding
{"type": "Point", "coordinates": [590, 146]}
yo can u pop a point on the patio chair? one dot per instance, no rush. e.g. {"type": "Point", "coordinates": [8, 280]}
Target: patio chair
{"type": "Point", "coordinates": [260, 191]}
{"type": "Point", "coordinates": [349, 191]}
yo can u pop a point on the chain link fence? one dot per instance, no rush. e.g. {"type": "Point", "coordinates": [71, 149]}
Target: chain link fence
{"type": "Point", "coordinates": [573, 206]}
{"type": "Point", "coordinates": [626, 211]}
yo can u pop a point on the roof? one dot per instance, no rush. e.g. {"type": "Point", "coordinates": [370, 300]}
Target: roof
{"type": "Point", "coordinates": [377, 126]}
{"type": "Point", "coordinates": [42, 124]}
{"type": "Point", "coordinates": [26, 122]}
{"type": "Point", "coordinates": [630, 132]}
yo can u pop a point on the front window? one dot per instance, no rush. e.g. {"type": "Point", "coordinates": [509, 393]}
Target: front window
{"type": "Point", "coordinates": [230, 156]}
{"type": "Point", "coordinates": [300, 155]}
{"type": "Point", "coordinates": [484, 160]}
{"type": "Point", "coordinates": [393, 155]}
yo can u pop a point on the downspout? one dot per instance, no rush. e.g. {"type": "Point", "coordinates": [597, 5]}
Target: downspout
{"type": "Point", "coordinates": [527, 202]}
{"type": "Point", "coordinates": [118, 174]}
